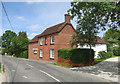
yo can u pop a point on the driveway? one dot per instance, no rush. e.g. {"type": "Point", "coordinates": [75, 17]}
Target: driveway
{"type": "Point", "coordinates": [21, 70]}
{"type": "Point", "coordinates": [108, 69]}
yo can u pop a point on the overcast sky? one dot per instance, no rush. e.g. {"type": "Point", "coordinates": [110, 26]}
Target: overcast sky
{"type": "Point", "coordinates": [34, 17]}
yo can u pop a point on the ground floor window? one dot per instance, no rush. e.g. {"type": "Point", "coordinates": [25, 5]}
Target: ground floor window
{"type": "Point", "coordinates": [35, 51]}
{"type": "Point", "coordinates": [52, 53]}
{"type": "Point", "coordinates": [41, 53]}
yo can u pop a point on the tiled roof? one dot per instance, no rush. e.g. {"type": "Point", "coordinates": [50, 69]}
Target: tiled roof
{"type": "Point", "coordinates": [99, 40]}
{"type": "Point", "coordinates": [54, 29]}
{"type": "Point", "coordinates": [35, 39]}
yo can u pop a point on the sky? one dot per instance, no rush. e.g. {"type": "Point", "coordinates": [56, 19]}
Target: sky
{"type": "Point", "coordinates": [34, 17]}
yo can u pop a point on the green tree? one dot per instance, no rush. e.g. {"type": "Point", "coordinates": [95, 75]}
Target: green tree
{"type": "Point", "coordinates": [7, 40]}
{"type": "Point", "coordinates": [20, 44]}
{"type": "Point", "coordinates": [103, 14]}
{"type": "Point", "coordinates": [111, 38]}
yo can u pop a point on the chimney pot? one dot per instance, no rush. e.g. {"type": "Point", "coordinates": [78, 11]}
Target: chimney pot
{"type": "Point", "coordinates": [67, 18]}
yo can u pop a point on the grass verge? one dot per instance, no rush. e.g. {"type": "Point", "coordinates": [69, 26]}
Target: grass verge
{"type": "Point", "coordinates": [0, 68]}
{"type": "Point", "coordinates": [100, 60]}
{"type": "Point", "coordinates": [66, 65]}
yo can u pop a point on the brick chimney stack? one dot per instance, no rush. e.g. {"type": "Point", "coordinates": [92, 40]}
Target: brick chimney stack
{"type": "Point", "coordinates": [67, 18]}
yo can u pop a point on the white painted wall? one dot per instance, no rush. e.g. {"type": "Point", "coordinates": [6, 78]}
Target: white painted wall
{"type": "Point", "coordinates": [97, 48]}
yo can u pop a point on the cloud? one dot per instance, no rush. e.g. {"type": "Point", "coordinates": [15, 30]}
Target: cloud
{"type": "Point", "coordinates": [21, 18]}
{"type": "Point", "coordinates": [35, 27]}
{"type": "Point", "coordinates": [32, 35]}
{"type": "Point", "coordinates": [30, 2]}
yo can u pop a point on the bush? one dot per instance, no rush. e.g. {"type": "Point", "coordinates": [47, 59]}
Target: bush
{"type": "Point", "coordinates": [104, 55]}
{"type": "Point", "coordinates": [3, 52]}
{"type": "Point", "coordinates": [76, 55]}
{"type": "Point", "coordinates": [116, 51]}
{"type": "Point", "coordinates": [23, 54]}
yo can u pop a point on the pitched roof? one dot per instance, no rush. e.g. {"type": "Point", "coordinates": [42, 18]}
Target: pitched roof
{"type": "Point", "coordinates": [35, 39]}
{"type": "Point", "coordinates": [99, 40]}
{"type": "Point", "coordinates": [54, 29]}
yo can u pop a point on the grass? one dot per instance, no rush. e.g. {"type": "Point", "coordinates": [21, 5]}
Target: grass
{"type": "Point", "coordinates": [66, 65]}
{"type": "Point", "coordinates": [100, 60]}
{"type": "Point", "coordinates": [0, 67]}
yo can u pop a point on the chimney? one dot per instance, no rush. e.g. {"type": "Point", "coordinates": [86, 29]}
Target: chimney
{"type": "Point", "coordinates": [67, 18]}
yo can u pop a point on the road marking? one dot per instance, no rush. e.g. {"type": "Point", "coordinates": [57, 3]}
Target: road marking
{"type": "Point", "coordinates": [29, 65]}
{"type": "Point", "coordinates": [25, 77]}
{"type": "Point", "coordinates": [50, 76]}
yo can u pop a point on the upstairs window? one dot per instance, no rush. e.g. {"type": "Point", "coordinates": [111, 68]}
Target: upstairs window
{"type": "Point", "coordinates": [41, 41]}
{"type": "Point", "coordinates": [45, 40]}
{"type": "Point", "coordinates": [52, 40]}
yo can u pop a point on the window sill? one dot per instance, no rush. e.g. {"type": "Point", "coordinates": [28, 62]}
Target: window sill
{"type": "Point", "coordinates": [51, 58]}
{"type": "Point", "coordinates": [41, 57]}
{"type": "Point", "coordinates": [52, 44]}
{"type": "Point", "coordinates": [41, 45]}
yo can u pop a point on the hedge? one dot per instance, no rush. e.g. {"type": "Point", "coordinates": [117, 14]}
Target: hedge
{"type": "Point", "coordinates": [76, 55]}
{"type": "Point", "coordinates": [116, 51]}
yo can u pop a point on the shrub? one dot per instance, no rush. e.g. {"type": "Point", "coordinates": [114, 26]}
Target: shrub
{"type": "Point", "coordinates": [76, 55]}
{"type": "Point", "coordinates": [116, 51]}
{"type": "Point", "coordinates": [104, 55]}
{"type": "Point", "coordinates": [23, 54]}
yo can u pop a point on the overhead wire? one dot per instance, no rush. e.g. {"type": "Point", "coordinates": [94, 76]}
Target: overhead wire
{"type": "Point", "coordinates": [7, 15]}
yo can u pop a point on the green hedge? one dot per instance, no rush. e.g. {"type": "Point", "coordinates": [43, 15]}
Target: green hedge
{"type": "Point", "coordinates": [76, 55]}
{"type": "Point", "coordinates": [116, 51]}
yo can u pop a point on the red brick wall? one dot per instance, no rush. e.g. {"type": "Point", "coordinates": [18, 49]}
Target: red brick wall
{"type": "Point", "coordinates": [65, 36]}
{"type": "Point", "coordinates": [46, 48]}
{"type": "Point", "coordinates": [31, 54]}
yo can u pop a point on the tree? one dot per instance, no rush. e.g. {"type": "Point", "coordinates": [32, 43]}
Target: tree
{"type": "Point", "coordinates": [6, 40]}
{"type": "Point", "coordinates": [103, 14]}
{"type": "Point", "coordinates": [111, 38]}
{"type": "Point", "coordinates": [91, 17]}
{"type": "Point", "coordinates": [20, 44]}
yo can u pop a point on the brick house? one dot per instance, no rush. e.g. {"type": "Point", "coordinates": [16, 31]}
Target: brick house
{"type": "Point", "coordinates": [45, 45]}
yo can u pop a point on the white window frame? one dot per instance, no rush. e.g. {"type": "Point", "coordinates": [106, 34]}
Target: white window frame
{"type": "Point", "coordinates": [41, 41]}
{"type": "Point", "coordinates": [52, 39]}
{"type": "Point", "coordinates": [52, 53]}
{"type": "Point", "coordinates": [41, 52]}
{"type": "Point", "coordinates": [35, 51]}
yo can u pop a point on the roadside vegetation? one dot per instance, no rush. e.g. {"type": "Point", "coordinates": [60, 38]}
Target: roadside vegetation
{"type": "Point", "coordinates": [15, 45]}
{"type": "Point", "coordinates": [113, 45]}
{"type": "Point", "coordinates": [75, 57]}
{"type": "Point", "coordinates": [0, 67]}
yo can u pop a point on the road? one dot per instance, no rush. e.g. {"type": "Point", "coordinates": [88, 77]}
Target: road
{"type": "Point", "coordinates": [20, 70]}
